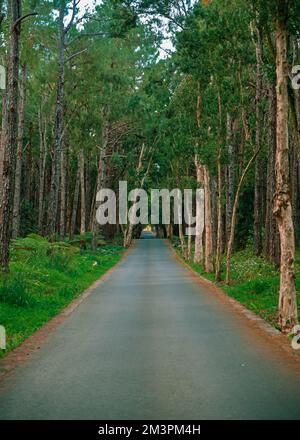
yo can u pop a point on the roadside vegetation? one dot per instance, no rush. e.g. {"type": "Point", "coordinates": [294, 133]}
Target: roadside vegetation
{"type": "Point", "coordinates": [254, 283]}
{"type": "Point", "coordinates": [45, 277]}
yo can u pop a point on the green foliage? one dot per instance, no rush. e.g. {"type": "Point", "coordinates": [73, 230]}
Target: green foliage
{"type": "Point", "coordinates": [14, 291]}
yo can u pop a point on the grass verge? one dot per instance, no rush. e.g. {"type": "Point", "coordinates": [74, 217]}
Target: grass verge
{"type": "Point", "coordinates": [255, 282]}
{"type": "Point", "coordinates": [44, 279]}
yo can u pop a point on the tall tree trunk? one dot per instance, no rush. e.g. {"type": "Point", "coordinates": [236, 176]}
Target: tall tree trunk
{"type": "Point", "coordinates": [75, 201]}
{"type": "Point", "coordinates": [88, 189]}
{"type": "Point", "coordinates": [2, 145]}
{"type": "Point", "coordinates": [10, 133]}
{"type": "Point", "coordinates": [82, 186]}
{"type": "Point", "coordinates": [230, 176]}
{"type": "Point", "coordinates": [208, 266]}
{"type": "Point", "coordinates": [42, 168]}
{"type": "Point", "coordinates": [100, 182]}
{"type": "Point", "coordinates": [258, 188]}
{"type": "Point", "coordinates": [294, 181]}
{"type": "Point", "coordinates": [220, 216]}
{"type": "Point", "coordinates": [214, 209]}
{"type": "Point", "coordinates": [170, 231]}
{"type": "Point", "coordinates": [28, 165]}
{"type": "Point", "coordinates": [101, 174]}
{"type": "Point", "coordinates": [190, 236]}
{"type": "Point", "coordinates": [182, 240]}
{"type": "Point", "coordinates": [272, 241]}
{"type": "Point", "coordinates": [59, 124]}
{"type": "Point", "coordinates": [18, 172]}
{"type": "Point", "coordinates": [288, 316]}
{"type": "Point", "coordinates": [198, 255]}
{"type": "Point", "coordinates": [63, 192]}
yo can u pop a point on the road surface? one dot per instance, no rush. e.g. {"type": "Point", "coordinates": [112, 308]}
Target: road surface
{"type": "Point", "coordinates": [151, 343]}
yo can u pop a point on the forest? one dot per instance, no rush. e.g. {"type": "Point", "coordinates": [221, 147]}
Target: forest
{"type": "Point", "coordinates": [161, 94]}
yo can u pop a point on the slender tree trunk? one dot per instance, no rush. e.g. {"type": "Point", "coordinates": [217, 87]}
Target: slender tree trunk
{"type": "Point", "coordinates": [100, 182]}
{"type": "Point", "coordinates": [128, 236]}
{"type": "Point", "coordinates": [75, 201]}
{"type": "Point", "coordinates": [234, 216]}
{"type": "Point", "coordinates": [288, 316]}
{"type": "Point", "coordinates": [29, 167]}
{"type": "Point", "coordinates": [63, 192]}
{"type": "Point", "coordinates": [294, 181]}
{"type": "Point", "coordinates": [258, 188]}
{"type": "Point", "coordinates": [18, 172]}
{"type": "Point", "coordinates": [170, 231]}
{"type": "Point", "coordinates": [230, 176]}
{"type": "Point", "coordinates": [82, 200]}
{"type": "Point", "coordinates": [272, 241]}
{"type": "Point", "coordinates": [92, 210]}
{"type": "Point", "coordinates": [198, 255]}
{"type": "Point", "coordinates": [182, 241]}
{"type": "Point", "coordinates": [88, 191]}
{"type": "Point", "coordinates": [2, 145]}
{"type": "Point", "coordinates": [59, 125]}
{"type": "Point", "coordinates": [209, 266]}
{"type": "Point", "coordinates": [42, 168]}
{"type": "Point", "coordinates": [220, 216]}
{"type": "Point", "coordinates": [214, 215]}
{"type": "Point", "coordinates": [68, 199]}
{"type": "Point", "coordinates": [190, 241]}
{"type": "Point", "coordinates": [10, 133]}
{"type": "Point", "coordinates": [101, 174]}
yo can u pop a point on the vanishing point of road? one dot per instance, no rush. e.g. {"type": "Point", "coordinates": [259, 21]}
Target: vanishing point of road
{"type": "Point", "coordinates": [151, 343]}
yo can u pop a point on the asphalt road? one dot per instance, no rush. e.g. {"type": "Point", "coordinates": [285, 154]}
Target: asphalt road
{"type": "Point", "coordinates": [150, 343]}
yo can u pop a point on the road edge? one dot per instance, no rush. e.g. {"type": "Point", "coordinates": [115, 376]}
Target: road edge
{"type": "Point", "coordinates": [33, 343]}
{"type": "Point", "coordinates": [275, 336]}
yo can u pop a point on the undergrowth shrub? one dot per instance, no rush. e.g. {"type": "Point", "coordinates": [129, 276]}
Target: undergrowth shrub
{"type": "Point", "coordinates": [13, 290]}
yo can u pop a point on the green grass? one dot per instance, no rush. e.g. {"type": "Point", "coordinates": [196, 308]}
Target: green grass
{"type": "Point", "coordinates": [44, 279]}
{"type": "Point", "coordinates": [255, 282]}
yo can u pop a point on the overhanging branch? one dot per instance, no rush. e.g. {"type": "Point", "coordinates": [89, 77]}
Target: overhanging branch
{"type": "Point", "coordinates": [75, 55]}
{"type": "Point", "coordinates": [20, 19]}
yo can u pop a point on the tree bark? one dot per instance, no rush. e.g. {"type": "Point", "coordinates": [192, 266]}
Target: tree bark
{"type": "Point", "coordinates": [198, 255]}
{"type": "Point", "coordinates": [258, 187]}
{"type": "Point", "coordinates": [10, 133]}
{"type": "Point", "coordinates": [190, 239]}
{"type": "Point", "coordinates": [288, 316]}
{"type": "Point", "coordinates": [2, 145]}
{"type": "Point", "coordinates": [63, 192]}
{"type": "Point", "coordinates": [82, 200]}
{"type": "Point", "coordinates": [230, 176]}
{"type": "Point", "coordinates": [75, 201]}
{"type": "Point", "coordinates": [272, 240]}
{"type": "Point", "coordinates": [29, 166]}
{"type": "Point", "coordinates": [209, 265]}
{"type": "Point", "coordinates": [58, 130]}
{"type": "Point", "coordinates": [42, 168]}
{"type": "Point", "coordinates": [18, 170]}
{"type": "Point", "coordinates": [220, 216]}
